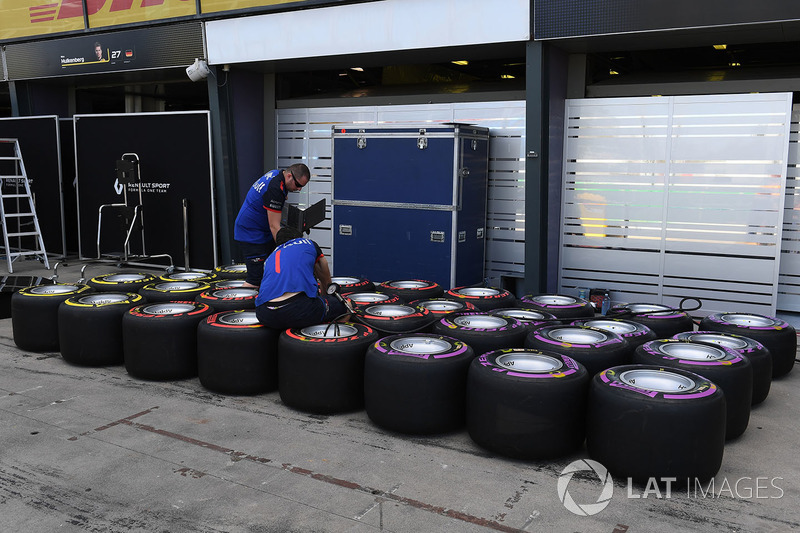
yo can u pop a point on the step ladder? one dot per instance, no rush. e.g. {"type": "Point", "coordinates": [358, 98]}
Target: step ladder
{"type": "Point", "coordinates": [17, 212]}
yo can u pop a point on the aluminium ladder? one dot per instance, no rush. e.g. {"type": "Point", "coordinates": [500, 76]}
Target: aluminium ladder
{"type": "Point", "coordinates": [20, 211]}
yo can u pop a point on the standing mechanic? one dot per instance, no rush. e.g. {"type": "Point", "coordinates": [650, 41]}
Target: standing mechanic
{"type": "Point", "coordinates": [259, 218]}
{"type": "Point", "coordinates": [289, 296]}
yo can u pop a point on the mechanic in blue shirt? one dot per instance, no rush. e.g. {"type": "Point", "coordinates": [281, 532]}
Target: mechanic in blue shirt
{"type": "Point", "coordinates": [259, 218]}
{"type": "Point", "coordinates": [289, 296]}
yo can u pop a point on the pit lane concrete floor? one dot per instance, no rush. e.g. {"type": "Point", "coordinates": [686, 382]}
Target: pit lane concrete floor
{"type": "Point", "coordinates": [93, 449]}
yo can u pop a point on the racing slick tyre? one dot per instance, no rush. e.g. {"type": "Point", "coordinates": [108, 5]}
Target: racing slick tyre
{"type": "Point", "coordinates": [236, 354]}
{"type": "Point", "coordinates": [233, 271]}
{"type": "Point", "coordinates": [321, 368]}
{"type": "Point", "coordinates": [442, 307]}
{"type": "Point", "coordinates": [758, 355]}
{"type": "Point", "coordinates": [665, 321]}
{"type": "Point", "coordinates": [90, 327]}
{"type": "Point", "coordinates": [121, 281]}
{"type": "Point", "coordinates": [558, 305]}
{"type": "Point", "coordinates": [411, 289]}
{"type": "Point", "coordinates": [388, 319]}
{"type": "Point", "coordinates": [484, 298]}
{"type": "Point", "coordinates": [635, 333]}
{"type": "Point", "coordinates": [228, 299]}
{"type": "Point", "coordinates": [527, 404]}
{"type": "Point", "coordinates": [730, 371]}
{"type": "Point", "coordinates": [189, 275]}
{"type": "Point", "coordinates": [648, 421]}
{"type": "Point", "coordinates": [416, 383]}
{"type": "Point", "coordinates": [359, 300]}
{"type": "Point", "coordinates": [530, 318]}
{"type": "Point", "coordinates": [349, 284]}
{"type": "Point", "coordinates": [160, 339]}
{"type": "Point", "coordinates": [173, 291]}
{"type": "Point", "coordinates": [34, 314]}
{"type": "Point", "coordinates": [594, 348]}
{"type": "Point", "coordinates": [775, 334]}
{"type": "Point", "coordinates": [482, 331]}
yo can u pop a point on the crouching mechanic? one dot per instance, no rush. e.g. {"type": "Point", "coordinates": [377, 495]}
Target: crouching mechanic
{"type": "Point", "coordinates": [289, 296]}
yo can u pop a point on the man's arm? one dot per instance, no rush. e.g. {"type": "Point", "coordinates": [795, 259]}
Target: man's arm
{"type": "Point", "coordinates": [322, 272]}
{"type": "Point", "coordinates": [274, 218]}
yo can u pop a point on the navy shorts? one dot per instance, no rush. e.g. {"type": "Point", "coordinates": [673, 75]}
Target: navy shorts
{"type": "Point", "coordinates": [254, 257]}
{"type": "Point", "coordinates": [300, 311]}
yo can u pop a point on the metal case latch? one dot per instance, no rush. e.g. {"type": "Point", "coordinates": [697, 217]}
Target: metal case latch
{"type": "Point", "coordinates": [462, 236]}
{"type": "Point", "coordinates": [345, 229]}
{"type": "Point", "coordinates": [361, 142]}
{"type": "Point", "coordinates": [422, 141]}
{"type": "Point", "coordinates": [437, 236]}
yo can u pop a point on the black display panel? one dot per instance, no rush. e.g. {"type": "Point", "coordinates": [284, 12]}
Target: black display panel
{"type": "Point", "coordinates": [555, 19]}
{"type": "Point", "coordinates": [174, 164]}
{"type": "Point", "coordinates": [39, 143]}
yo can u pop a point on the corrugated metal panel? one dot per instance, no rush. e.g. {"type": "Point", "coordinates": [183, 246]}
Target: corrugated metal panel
{"type": "Point", "coordinates": [666, 198]}
{"type": "Point", "coordinates": [304, 135]}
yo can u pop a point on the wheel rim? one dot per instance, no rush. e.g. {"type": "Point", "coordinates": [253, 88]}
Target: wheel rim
{"type": "Point", "coordinates": [620, 328]}
{"type": "Point", "coordinates": [420, 345]}
{"type": "Point", "coordinates": [692, 351]}
{"type": "Point", "coordinates": [244, 318]}
{"type": "Point", "coordinates": [741, 319]}
{"type": "Point", "coordinates": [407, 284]}
{"type": "Point", "coordinates": [530, 362]}
{"type": "Point", "coordinates": [390, 310]}
{"type": "Point", "coordinates": [576, 335]}
{"type": "Point", "coordinates": [722, 340]}
{"type": "Point", "coordinates": [177, 286]}
{"type": "Point", "coordinates": [657, 380]}
{"type": "Point", "coordinates": [478, 291]}
{"type": "Point", "coordinates": [647, 308]}
{"type": "Point", "coordinates": [480, 321]}
{"type": "Point", "coordinates": [187, 275]}
{"type": "Point", "coordinates": [525, 315]}
{"type": "Point", "coordinates": [168, 308]}
{"type": "Point", "coordinates": [344, 280]}
{"type": "Point", "coordinates": [100, 299]}
{"type": "Point", "coordinates": [54, 289]}
{"type": "Point", "coordinates": [235, 293]}
{"type": "Point", "coordinates": [231, 284]}
{"type": "Point", "coordinates": [126, 278]}
{"type": "Point", "coordinates": [433, 305]}
{"type": "Point", "coordinates": [329, 331]}
{"type": "Point", "coordinates": [554, 299]}
{"type": "Point", "coordinates": [367, 297]}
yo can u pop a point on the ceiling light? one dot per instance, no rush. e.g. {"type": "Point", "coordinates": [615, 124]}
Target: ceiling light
{"type": "Point", "coordinates": [734, 64]}
{"type": "Point", "coordinates": [613, 72]}
{"type": "Point", "coordinates": [460, 62]}
{"type": "Point", "coordinates": [720, 47]}
{"type": "Point", "coordinates": [507, 76]}
{"type": "Point", "coordinates": [357, 69]}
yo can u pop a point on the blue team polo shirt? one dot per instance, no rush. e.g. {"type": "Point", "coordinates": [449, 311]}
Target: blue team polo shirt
{"type": "Point", "coordinates": [290, 268]}
{"type": "Point", "coordinates": [266, 194]}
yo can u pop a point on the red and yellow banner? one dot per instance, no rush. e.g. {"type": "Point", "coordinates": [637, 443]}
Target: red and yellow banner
{"type": "Point", "coordinates": [215, 6]}
{"type": "Point", "coordinates": [25, 18]}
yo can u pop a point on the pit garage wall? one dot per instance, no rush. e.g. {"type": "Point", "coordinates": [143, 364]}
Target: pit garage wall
{"type": "Point", "coordinates": [673, 197]}
{"type": "Point", "coordinates": [304, 135]}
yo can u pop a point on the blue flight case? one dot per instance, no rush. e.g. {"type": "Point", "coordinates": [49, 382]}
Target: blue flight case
{"type": "Point", "coordinates": [410, 202]}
